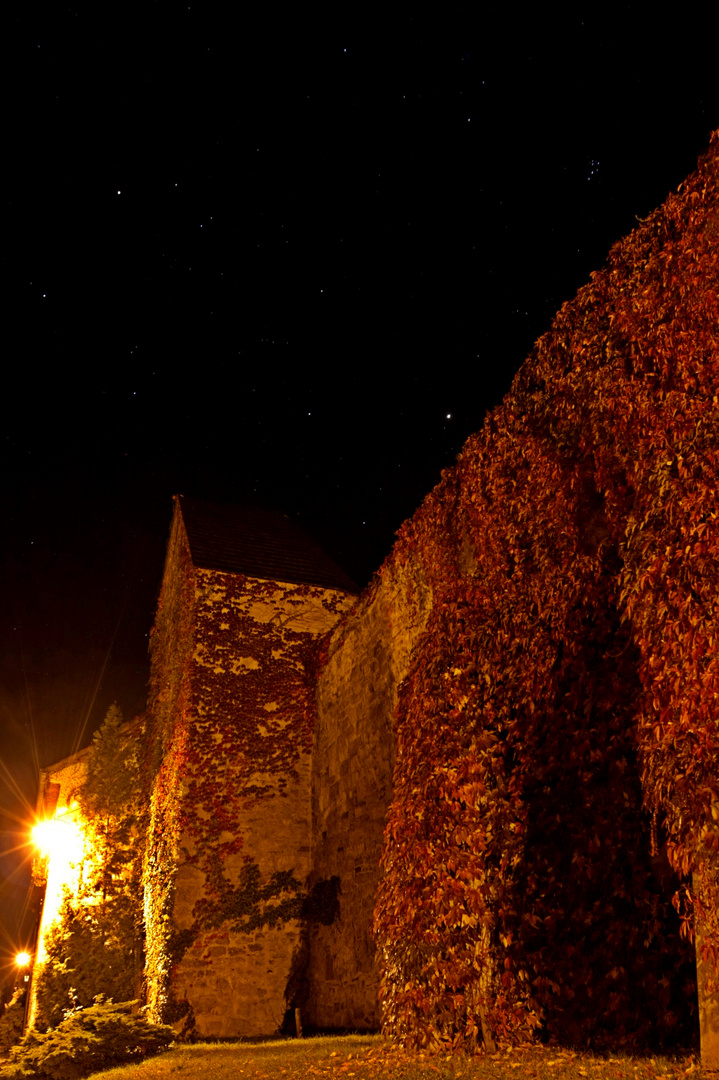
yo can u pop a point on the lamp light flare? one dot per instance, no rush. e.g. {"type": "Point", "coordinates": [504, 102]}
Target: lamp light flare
{"type": "Point", "coordinates": [58, 838]}
{"type": "Point", "coordinates": [60, 841]}
{"type": "Point", "coordinates": [22, 959]}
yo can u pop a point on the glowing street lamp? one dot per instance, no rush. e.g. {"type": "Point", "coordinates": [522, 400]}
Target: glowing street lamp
{"type": "Point", "coordinates": [58, 837]}
{"type": "Point", "coordinates": [60, 846]}
{"type": "Point", "coordinates": [58, 869]}
{"type": "Point", "coordinates": [23, 962]}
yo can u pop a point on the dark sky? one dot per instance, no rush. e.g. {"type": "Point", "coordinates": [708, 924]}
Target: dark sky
{"type": "Point", "coordinates": [286, 262]}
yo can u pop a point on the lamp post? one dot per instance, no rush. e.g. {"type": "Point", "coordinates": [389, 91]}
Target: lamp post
{"type": "Point", "coordinates": [23, 963]}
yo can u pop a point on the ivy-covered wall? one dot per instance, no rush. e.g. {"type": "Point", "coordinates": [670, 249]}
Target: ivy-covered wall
{"type": "Point", "coordinates": [511, 753]}
{"type": "Point", "coordinates": [550, 697]}
{"type": "Point", "coordinates": [234, 662]}
{"type": "Point", "coordinates": [165, 749]}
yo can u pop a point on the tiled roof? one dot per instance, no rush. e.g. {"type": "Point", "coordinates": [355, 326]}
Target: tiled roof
{"type": "Point", "coordinates": [262, 544]}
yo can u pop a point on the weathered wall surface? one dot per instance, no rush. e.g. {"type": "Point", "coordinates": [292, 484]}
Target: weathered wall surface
{"type": "Point", "coordinates": [353, 757]}
{"type": "Point", "coordinates": [236, 979]}
{"type": "Point", "coordinates": [164, 753]}
{"type": "Point", "coordinates": [247, 788]}
{"type": "Point", "coordinates": [59, 785]}
{"type": "Point", "coordinates": [236, 780]}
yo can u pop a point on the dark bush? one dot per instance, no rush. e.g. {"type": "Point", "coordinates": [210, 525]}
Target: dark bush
{"type": "Point", "coordinates": [87, 1040]}
{"type": "Point", "coordinates": [11, 1019]}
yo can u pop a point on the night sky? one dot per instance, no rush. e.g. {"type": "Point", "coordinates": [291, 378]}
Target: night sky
{"type": "Point", "coordinates": [291, 263]}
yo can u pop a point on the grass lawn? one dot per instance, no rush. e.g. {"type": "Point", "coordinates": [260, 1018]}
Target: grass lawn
{"type": "Point", "coordinates": [367, 1056]}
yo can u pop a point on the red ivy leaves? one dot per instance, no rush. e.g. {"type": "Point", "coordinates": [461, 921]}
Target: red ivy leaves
{"type": "Point", "coordinates": [567, 689]}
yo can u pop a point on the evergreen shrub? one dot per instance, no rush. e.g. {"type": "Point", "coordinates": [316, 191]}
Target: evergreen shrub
{"type": "Point", "coordinates": [12, 1019]}
{"type": "Point", "coordinates": [96, 944]}
{"type": "Point", "coordinates": [87, 1040]}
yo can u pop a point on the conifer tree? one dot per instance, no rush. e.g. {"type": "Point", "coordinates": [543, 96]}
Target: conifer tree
{"type": "Point", "coordinates": [109, 802]}
{"type": "Point", "coordinates": [96, 946]}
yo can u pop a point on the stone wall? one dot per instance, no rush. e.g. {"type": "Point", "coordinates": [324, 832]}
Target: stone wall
{"type": "Point", "coordinates": [569, 554]}
{"type": "Point", "coordinates": [352, 762]}
{"type": "Point", "coordinates": [229, 844]}
{"type": "Point", "coordinates": [164, 748]}
{"type": "Point", "coordinates": [235, 980]}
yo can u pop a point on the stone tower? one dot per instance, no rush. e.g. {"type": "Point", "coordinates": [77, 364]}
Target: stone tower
{"type": "Point", "coordinates": [245, 601]}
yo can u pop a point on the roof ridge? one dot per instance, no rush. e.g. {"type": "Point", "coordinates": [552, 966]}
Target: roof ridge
{"type": "Point", "coordinates": [261, 543]}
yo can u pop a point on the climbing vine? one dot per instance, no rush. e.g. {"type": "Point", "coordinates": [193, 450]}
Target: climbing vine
{"type": "Point", "coordinates": [234, 662]}
{"type": "Point", "coordinates": [556, 784]}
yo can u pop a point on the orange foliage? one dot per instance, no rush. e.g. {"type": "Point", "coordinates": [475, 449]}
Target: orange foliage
{"type": "Point", "coordinates": [562, 710]}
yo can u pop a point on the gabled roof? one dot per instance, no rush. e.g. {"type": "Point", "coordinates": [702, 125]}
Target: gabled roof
{"type": "Point", "coordinates": [259, 543]}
